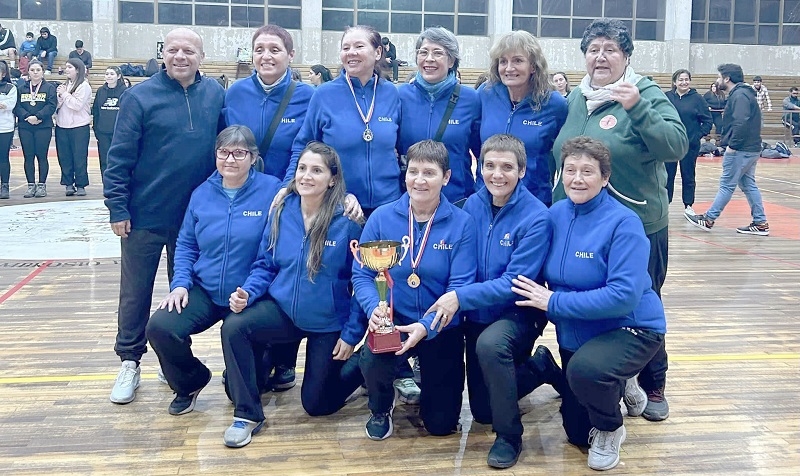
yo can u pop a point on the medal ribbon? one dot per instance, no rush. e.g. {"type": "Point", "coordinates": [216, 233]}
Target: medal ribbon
{"type": "Point", "coordinates": [415, 261]}
{"type": "Point", "coordinates": [35, 93]}
{"type": "Point", "coordinates": [364, 118]}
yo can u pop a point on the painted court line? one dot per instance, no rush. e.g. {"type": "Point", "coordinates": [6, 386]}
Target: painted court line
{"type": "Point", "coordinates": [740, 251]}
{"type": "Point", "coordinates": [25, 281]}
{"type": "Point", "coordinates": [299, 370]}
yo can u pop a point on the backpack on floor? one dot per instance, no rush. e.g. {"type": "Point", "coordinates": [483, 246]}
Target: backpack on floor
{"type": "Point", "coordinates": [151, 67]}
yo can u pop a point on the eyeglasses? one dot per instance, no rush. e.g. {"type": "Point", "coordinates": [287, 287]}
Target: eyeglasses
{"type": "Point", "coordinates": [423, 54]}
{"type": "Point", "coordinates": [238, 154]}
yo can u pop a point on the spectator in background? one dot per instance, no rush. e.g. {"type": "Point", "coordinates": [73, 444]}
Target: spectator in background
{"type": "Point", "coordinates": [105, 110]}
{"type": "Point", "coordinates": [791, 120]}
{"type": "Point", "coordinates": [47, 48]}
{"type": "Point", "coordinates": [482, 78]}
{"type": "Point", "coordinates": [127, 82]}
{"type": "Point", "coordinates": [8, 100]}
{"type": "Point", "coordinates": [391, 57]}
{"type": "Point", "coordinates": [716, 104]}
{"type": "Point", "coordinates": [319, 74]}
{"type": "Point", "coordinates": [762, 97]}
{"type": "Point", "coordinates": [28, 47]}
{"type": "Point", "coordinates": [8, 46]}
{"type": "Point", "coordinates": [81, 54]}
{"type": "Point", "coordinates": [562, 83]}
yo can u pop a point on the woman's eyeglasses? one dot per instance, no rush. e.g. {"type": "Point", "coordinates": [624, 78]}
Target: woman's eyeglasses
{"type": "Point", "coordinates": [423, 54]}
{"type": "Point", "coordinates": [238, 154]}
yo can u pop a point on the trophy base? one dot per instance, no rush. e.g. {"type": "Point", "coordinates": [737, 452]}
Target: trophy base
{"type": "Point", "coordinates": [382, 343]}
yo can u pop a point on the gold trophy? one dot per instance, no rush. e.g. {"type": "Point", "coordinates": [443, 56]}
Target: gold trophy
{"type": "Point", "coordinates": [379, 256]}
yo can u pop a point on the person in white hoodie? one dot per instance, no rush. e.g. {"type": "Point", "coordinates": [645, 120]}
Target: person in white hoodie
{"type": "Point", "coordinates": [73, 116]}
{"type": "Point", "coordinates": [8, 99]}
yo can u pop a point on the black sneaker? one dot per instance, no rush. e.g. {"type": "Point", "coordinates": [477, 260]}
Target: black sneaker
{"type": "Point", "coordinates": [760, 229]}
{"type": "Point", "coordinates": [657, 408]}
{"type": "Point", "coordinates": [282, 379]}
{"type": "Point", "coordinates": [700, 221]}
{"type": "Point", "coordinates": [505, 452]}
{"type": "Point", "coordinates": [4, 191]}
{"type": "Point", "coordinates": [542, 360]}
{"type": "Point", "coordinates": [379, 426]}
{"type": "Point", "coordinates": [183, 404]}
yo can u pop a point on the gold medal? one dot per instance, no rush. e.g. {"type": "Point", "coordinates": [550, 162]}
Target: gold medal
{"type": "Point", "coordinates": [33, 103]}
{"type": "Point", "coordinates": [413, 281]}
{"type": "Point", "coordinates": [367, 135]}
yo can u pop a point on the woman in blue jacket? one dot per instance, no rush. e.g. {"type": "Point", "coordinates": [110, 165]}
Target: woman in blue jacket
{"type": "Point", "coordinates": [609, 321]}
{"type": "Point", "coordinates": [513, 239]}
{"type": "Point", "coordinates": [441, 258]}
{"type": "Point", "coordinates": [254, 101]}
{"type": "Point", "coordinates": [358, 114]}
{"type": "Point", "coordinates": [520, 99]}
{"type": "Point", "coordinates": [216, 245]}
{"type": "Point", "coordinates": [305, 298]}
{"type": "Point", "coordinates": [425, 102]}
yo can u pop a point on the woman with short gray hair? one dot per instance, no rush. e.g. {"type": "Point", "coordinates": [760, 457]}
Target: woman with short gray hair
{"type": "Point", "coordinates": [435, 106]}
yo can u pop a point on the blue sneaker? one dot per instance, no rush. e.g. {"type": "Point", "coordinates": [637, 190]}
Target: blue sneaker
{"type": "Point", "coordinates": [379, 426]}
{"type": "Point", "coordinates": [241, 432]}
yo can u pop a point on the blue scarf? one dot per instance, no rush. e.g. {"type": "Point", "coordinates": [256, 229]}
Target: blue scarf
{"type": "Point", "coordinates": [433, 90]}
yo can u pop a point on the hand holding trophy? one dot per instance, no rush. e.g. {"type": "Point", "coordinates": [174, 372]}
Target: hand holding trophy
{"type": "Point", "coordinates": [379, 256]}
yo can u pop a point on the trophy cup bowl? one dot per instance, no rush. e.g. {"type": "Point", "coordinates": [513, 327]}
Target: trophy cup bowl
{"type": "Point", "coordinates": [380, 255]}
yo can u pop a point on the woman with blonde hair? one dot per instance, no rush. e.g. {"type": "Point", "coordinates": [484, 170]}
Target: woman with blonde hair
{"type": "Point", "coordinates": [520, 99]}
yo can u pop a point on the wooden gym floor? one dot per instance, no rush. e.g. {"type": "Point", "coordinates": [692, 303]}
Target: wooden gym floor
{"type": "Point", "coordinates": [734, 343]}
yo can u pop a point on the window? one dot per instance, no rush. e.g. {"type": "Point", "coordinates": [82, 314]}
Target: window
{"type": "Point", "coordinates": [569, 18]}
{"type": "Point", "coordinates": [462, 17]}
{"type": "Point", "coordinates": [67, 10]}
{"type": "Point", "coordinates": [38, 10]}
{"type": "Point", "coordinates": [746, 22]}
{"type": "Point", "coordinates": [224, 13]}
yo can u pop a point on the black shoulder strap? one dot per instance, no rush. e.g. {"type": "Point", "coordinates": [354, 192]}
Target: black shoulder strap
{"type": "Point", "coordinates": [448, 112]}
{"type": "Point", "coordinates": [276, 119]}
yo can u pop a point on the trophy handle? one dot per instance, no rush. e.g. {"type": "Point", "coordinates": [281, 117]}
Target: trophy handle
{"type": "Point", "coordinates": [354, 250]}
{"type": "Point", "coordinates": [405, 246]}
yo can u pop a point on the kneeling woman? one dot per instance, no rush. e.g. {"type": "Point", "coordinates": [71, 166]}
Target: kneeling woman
{"type": "Point", "coordinates": [500, 335]}
{"type": "Point", "coordinates": [217, 244]}
{"type": "Point", "coordinates": [609, 322]}
{"type": "Point", "coordinates": [441, 258]}
{"type": "Point", "coordinates": [307, 299]}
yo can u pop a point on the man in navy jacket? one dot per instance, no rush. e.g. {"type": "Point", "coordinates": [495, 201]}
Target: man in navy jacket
{"type": "Point", "coordinates": [163, 148]}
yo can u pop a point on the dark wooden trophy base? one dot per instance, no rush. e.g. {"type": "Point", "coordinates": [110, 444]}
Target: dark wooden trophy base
{"type": "Point", "coordinates": [382, 343]}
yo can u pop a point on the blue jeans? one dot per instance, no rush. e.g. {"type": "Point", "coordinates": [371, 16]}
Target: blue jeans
{"type": "Point", "coordinates": [51, 56]}
{"type": "Point", "coordinates": [738, 167]}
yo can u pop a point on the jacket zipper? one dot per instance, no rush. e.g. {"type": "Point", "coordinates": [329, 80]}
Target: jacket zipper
{"type": "Point", "coordinates": [225, 256]}
{"type": "Point", "coordinates": [189, 107]}
{"type": "Point", "coordinates": [566, 244]}
{"type": "Point", "coordinates": [297, 277]}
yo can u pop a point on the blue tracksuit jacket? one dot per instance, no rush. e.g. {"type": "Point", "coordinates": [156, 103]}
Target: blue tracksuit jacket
{"type": "Point", "coordinates": [597, 268]}
{"type": "Point", "coordinates": [371, 170]}
{"type": "Point", "coordinates": [536, 129]}
{"type": "Point", "coordinates": [327, 304]}
{"type": "Point", "coordinates": [247, 104]}
{"type": "Point", "coordinates": [448, 261]}
{"type": "Point", "coordinates": [219, 238]}
{"type": "Point", "coordinates": [420, 119]}
{"type": "Point", "coordinates": [513, 243]}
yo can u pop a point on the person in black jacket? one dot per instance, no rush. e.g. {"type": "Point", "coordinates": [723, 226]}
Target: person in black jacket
{"type": "Point", "coordinates": [693, 110]}
{"type": "Point", "coordinates": [46, 48]}
{"type": "Point", "coordinates": [742, 142]}
{"type": "Point", "coordinates": [716, 101]}
{"type": "Point", "coordinates": [105, 110]}
{"type": "Point", "coordinates": [34, 110]}
{"type": "Point", "coordinates": [391, 57]}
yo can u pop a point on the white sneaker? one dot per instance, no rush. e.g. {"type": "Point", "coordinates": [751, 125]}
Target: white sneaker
{"type": "Point", "coordinates": [604, 450]}
{"type": "Point", "coordinates": [160, 376]}
{"type": "Point", "coordinates": [127, 382]}
{"type": "Point", "coordinates": [241, 432]}
{"type": "Point", "coordinates": [689, 210]}
{"type": "Point", "coordinates": [407, 390]}
{"type": "Point", "coordinates": [635, 397]}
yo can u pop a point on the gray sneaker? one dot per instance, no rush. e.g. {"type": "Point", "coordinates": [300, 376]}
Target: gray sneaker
{"type": "Point", "coordinates": [657, 408]}
{"type": "Point", "coordinates": [635, 397]}
{"type": "Point", "coordinates": [41, 190]}
{"type": "Point", "coordinates": [4, 191]}
{"type": "Point", "coordinates": [407, 390]}
{"type": "Point", "coordinates": [127, 382]}
{"type": "Point", "coordinates": [241, 432]}
{"type": "Point", "coordinates": [161, 378]}
{"type": "Point", "coordinates": [604, 450]}
{"type": "Point", "coordinates": [31, 191]}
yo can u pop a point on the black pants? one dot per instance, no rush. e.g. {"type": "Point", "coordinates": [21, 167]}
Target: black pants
{"type": "Point", "coordinates": [716, 118]}
{"type": "Point", "coordinates": [441, 363]}
{"type": "Point", "coordinates": [326, 382]}
{"type": "Point", "coordinates": [596, 375]}
{"type": "Point", "coordinates": [688, 165]}
{"type": "Point", "coordinates": [5, 163]}
{"type": "Point", "coordinates": [169, 334]}
{"type": "Point", "coordinates": [141, 253]}
{"type": "Point", "coordinates": [35, 144]}
{"type": "Point", "coordinates": [497, 370]}
{"type": "Point", "coordinates": [654, 374]}
{"type": "Point", "coordinates": [103, 144]}
{"type": "Point", "coordinates": [72, 147]}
